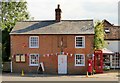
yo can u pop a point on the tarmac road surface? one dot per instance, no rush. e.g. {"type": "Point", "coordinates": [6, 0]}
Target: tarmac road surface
{"type": "Point", "coordinates": [113, 76]}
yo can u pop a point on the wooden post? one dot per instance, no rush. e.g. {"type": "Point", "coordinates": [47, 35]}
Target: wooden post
{"type": "Point", "coordinates": [87, 74]}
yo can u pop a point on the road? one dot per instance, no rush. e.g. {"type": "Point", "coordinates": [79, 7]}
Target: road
{"type": "Point", "coordinates": [113, 76]}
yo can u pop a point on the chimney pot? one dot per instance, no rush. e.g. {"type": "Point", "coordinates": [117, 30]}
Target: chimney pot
{"type": "Point", "coordinates": [58, 6]}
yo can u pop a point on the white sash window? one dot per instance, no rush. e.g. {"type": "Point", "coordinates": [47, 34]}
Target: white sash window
{"type": "Point", "coordinates": [34, 59]}
{"type": "Point", "coordinates": [33, 42]}
{"type": "Point", "coordinates": [80, 42]}
{"type": "Point", "coordinates": [79, 60]}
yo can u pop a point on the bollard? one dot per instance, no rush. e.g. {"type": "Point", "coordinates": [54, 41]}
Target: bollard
{"type": "Point", "coordinates": [22, 73]}
{"type": "Point", "coordinates": [87, 74]}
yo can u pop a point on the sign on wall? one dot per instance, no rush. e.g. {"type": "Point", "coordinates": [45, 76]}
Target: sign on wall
{"type": "Point", "coordinates": [17, 58]}
{"type": "Point", "coordinates": [20, 58]}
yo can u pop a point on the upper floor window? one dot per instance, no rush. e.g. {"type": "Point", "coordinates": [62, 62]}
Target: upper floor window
{"type": "Point", "coordinates": [107, 30]}
{"type": "Point", "coordinates": [34, 42]}
{"type": "Point", "coordinates": [80, 42]}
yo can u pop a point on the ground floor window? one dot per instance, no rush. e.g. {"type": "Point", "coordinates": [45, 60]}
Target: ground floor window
{"type": "Point", "coordinates": [79, 60]}
{"type": "Point", "coordinates": [34, 59]}
{"type": "Point", "coordinates": [115, 61]}
{"type": "Point", "coordinates": [106, 61]}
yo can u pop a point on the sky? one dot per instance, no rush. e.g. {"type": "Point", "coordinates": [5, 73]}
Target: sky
{"type": "Point", "coordinates": [75, 9]}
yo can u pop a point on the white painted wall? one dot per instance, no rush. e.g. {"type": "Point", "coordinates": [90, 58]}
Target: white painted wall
{"type": "Point", "coordinates": [114, 46]}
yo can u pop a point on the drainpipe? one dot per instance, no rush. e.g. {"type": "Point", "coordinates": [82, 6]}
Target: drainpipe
{"type": "Point", "coordinates": [11, 67]}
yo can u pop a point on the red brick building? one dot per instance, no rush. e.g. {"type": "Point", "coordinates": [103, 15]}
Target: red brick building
{"type": "Point", "coordinates": [112, 39]}
{"type": "Point", "coordinates": [62, 46]}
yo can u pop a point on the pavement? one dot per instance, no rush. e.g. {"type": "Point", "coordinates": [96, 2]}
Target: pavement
{"type": "Point", "coordinates": [106, 76]}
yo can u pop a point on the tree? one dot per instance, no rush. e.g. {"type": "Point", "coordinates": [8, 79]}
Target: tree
{"type": "Point", "coordinates": [0, 55]}
{"type": "Point", "coordinates": [12, 12]}
{"type": "Point", "coordinates": [99, 36]}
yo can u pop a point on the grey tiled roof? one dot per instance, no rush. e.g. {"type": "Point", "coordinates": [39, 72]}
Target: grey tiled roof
{"type": "Point", "coordinates": [52, 27]}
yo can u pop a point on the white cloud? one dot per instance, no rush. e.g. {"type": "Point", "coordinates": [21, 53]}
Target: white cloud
{"type": "Point", "coordinates": [75, 9]}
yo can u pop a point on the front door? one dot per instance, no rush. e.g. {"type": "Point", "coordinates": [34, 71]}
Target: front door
{"type": "Point", "coordinates": [62, 64]}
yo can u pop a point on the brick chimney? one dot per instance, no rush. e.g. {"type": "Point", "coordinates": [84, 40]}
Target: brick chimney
{"type": "Point", "coordinates": [58, 14]}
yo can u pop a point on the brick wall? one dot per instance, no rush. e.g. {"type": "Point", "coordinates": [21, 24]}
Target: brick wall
{"type": "Point", "coordinates": [49, 44]}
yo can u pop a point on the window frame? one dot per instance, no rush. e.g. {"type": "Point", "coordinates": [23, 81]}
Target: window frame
{"type": "Point", "coordinates": [30, 42]}
{"type": "Point", "coordinates": [83, 59]}
{"type": "Point", "coordinates": [82, 41]}
{"type": "Point", "coordinates": [30, 59]}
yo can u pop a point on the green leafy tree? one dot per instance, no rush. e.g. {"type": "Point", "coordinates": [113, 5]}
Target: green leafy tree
{"type": "Point", "coordinates": [12, 12]}
{"type": "Point", "coordinates": [0, 51]}
{"type": "Point", "coordinates": [99, 36]}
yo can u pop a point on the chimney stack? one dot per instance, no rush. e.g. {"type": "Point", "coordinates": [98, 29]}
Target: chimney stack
{"type": "Point", "coordinates": [58, 14]}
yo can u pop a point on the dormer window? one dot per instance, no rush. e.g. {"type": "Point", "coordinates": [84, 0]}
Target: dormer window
{"type": "Point", "coordinates": [107, 30]}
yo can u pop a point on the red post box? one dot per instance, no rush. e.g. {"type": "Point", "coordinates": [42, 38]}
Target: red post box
{"type": "Point", "coordinates": [90, 68]}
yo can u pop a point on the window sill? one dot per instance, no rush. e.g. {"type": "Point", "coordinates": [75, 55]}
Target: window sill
{"type": "Point", "coordinates": [34, 65]}
{"type": "Point", "coordinates": [79, 65]}
{"type": "Point", "coordinates": [79, 47]}
{"type": "Point", "coordinates": [33, 47]}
